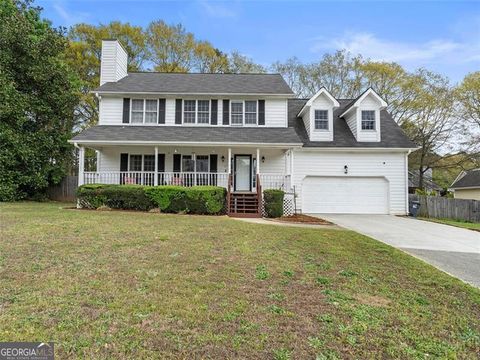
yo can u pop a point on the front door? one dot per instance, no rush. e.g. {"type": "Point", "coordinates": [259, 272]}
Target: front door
{"type": "Point", "coordinates": [243, 172]}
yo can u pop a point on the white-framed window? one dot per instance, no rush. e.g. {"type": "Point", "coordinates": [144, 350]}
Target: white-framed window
{"type": "Point", "coordinates": [236, 112]}
{"type": "Point", "coordinates": [244, 112]}
{"type": "Point", "coordinates": [138, 162]}
{"type": "Point", "coordinates": [196, 111]}
{"type": "Point", "coordinates": [201, 163]}
{"type": "Point", "coordinates": [189, 111]}
{"type": "Point", "coordinates": [251, 112]}
{"type": "Point", "coordinates": [203, 114]}
{"type": "Point", "coordinates": [321, 119]}
{"type": "Point", "coordinates": [143, 111]}
{"type": "Point", "coordinates": [137, 111]}
{"type": "Point", "coordinates": [368, 120]}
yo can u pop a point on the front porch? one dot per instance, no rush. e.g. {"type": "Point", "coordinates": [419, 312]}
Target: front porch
{"type": "Point", "coordinates": [244, 172]}
{"type": "Point", "coordinates": [190, 166]}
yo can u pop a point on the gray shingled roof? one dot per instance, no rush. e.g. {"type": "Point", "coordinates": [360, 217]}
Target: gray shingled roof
{"type": "Point", "coordinates": [182, 83]}
{"type": "Point", "coordinates": [182, 134]}
{"type": "Point", "coordinates": [392, 135]}
{"type": "Point", "coordinates": [470, 179]}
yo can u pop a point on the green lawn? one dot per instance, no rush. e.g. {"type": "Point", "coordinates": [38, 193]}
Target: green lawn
{"type": "Point", "coordinates": [462, 224]}
{"type": "Point", "coordinates": [138, 285]}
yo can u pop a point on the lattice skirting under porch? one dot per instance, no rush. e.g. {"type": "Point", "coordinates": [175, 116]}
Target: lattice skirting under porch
{"type": "Point", "coordinates": [288, 205]}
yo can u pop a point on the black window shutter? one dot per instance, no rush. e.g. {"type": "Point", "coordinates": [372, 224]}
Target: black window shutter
{"type": "Point", "coordinates": [226, 112]}
{"type": "Point", "coordinates": [213, 163]}
{"type": "Point", "coordinates": [261, 112]}
{"type": "Point", "coordinates": [177, 159]}
{"type": "Point", "coordinates": [124, 162]}
{"type": "Point", "coordinates": [178, 111]}
{"type": "Point", "coordinates": [126, 111]}
{"type": "Point", "coordinates": [161, 111]}
{"type": "Point", "coordinates": [161, 162]}
{"type": "Point", "coordinates": [214, 112]}
{"type": "Point", "coordinates": [123, 167]}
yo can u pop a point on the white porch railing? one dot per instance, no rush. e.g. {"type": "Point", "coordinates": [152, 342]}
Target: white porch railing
{"type": "Point", "coordinates": [275, 181]}
{"type": "Point", "coordinates": [267, 180]}
{"type": "Point", "coordinates": [163, 178]}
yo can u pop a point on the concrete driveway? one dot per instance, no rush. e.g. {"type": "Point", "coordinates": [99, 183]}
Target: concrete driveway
{"type": "Point", "coordinates": [451, 249]}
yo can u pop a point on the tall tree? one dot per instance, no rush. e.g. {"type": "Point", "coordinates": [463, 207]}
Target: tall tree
{"type": "Point", "coordinates": [39, 92]}
{"type": "Point", "coordinates": [84, 55]}
{"type": "Point", "coordinates": [468, 94]}
{"type": "Point", "coordinates": [395, 85]}
{"type": "Point", "coordinates": [173, 49]}
{"type": "Point", "coordinates": [434, 126]}
{"type": "Point", "coordinates": [239, 63]}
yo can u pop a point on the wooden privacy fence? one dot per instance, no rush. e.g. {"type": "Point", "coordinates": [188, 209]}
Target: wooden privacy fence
{"type": "Point", "coordinates": [447, 208]}
{"type": "Point", "coordinates": [65, 191]}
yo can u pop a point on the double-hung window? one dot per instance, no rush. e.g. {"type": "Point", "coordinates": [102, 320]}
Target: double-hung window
{"type": "Point", "coordinates": [189, 111]}
{"type": "Point", "coordinates": [237, 112]}
{"type": "Point", "coordinates": [244, 112]}
{"type": "Point", "coordinates": [201, 163]}
{"type": "Point", "coordinates": [144, 111]}
{"type": "Point", "coordinates": [250, 112]}
{"type": "Point", "coordinates": [196, 111]}
{"type": "Point", "coordinates": [368, 120]}
{"type": "Point", "coordinates": [203, 114]}
{"type": "Point", "coordinates": [321, 119]}
{"type": "Point", "coordinates": [137, 111]}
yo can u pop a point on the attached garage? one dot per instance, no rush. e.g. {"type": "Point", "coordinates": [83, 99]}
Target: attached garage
{"type": "Point", "coordinates": [345, 195]}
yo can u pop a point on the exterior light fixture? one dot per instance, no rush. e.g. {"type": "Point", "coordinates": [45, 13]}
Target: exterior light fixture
{"type": "Point", "coordinates": [263, 159]}
{"type": "Point", "coordinates": [345, 169]}
{"type": "Point", "coordinates": [223, 158]}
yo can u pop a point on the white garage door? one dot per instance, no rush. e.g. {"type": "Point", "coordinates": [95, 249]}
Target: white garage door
{"type": "Point", "coordinates": [345, 195]}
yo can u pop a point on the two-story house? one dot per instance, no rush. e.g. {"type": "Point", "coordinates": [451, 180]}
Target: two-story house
{"type": "Point", "coordinates": [246, 132]}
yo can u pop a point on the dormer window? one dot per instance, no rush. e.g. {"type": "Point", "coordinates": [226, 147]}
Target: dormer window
{"type": "Point", "coordinates": [368, 119]}
{"type": "Point", "coordinates": [321, 119]}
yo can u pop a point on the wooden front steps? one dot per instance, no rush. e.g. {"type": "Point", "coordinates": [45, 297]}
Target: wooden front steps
{"type": "Point", "coordinates": [244, 204]}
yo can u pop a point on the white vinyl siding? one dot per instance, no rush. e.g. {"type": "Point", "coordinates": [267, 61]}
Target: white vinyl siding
{"type": "Point", "coordinates": [276, 111]}
{"type": "Point", "coordinates": [351, 120]}
{"type": "Point", "coordinates": [332, 163]}
{"type": "Point", "coordinates": [113, 62]}
{"type": "Point", "coordinates": [110, 111]}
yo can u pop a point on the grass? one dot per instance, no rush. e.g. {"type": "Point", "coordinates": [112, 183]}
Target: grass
{"type": "Point", "coordinates": [123, 285]}
{"type": "Point", "coordinates": [457, 223]}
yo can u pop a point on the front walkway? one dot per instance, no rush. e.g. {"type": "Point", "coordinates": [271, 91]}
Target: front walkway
{"type": "Point", "coordinates": [451, 249]}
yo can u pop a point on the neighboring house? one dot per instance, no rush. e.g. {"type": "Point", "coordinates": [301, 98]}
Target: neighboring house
{"type": "Point", "coordinates": [428, 184]}
{"type": "Point", "coordinates": [467, 185]}
{"type": "Point", "coordinates": [243, 132]}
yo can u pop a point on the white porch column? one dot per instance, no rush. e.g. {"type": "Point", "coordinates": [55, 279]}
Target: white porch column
{"type": "Point", "coordinates": [258, 161]}
{"type": "Point", "coordinates": [155, 179]}
{"type": "Point", "coordinates": [229, 160]}
{"type": "Point", "coordinates": [81, 165]}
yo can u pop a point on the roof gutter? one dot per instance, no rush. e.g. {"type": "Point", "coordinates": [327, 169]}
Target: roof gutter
{"type": "Point", "coordinates": [184, 94]}
{"type": "Point", "coordinates": [184, 143]}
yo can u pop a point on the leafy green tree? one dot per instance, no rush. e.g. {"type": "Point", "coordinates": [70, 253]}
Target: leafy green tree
{"type": "Point", "coordinates": [468, 94]}
{"type": "Point", "coordinates": [38, 93]}
{"type": "Point", "coordinates": [84, 55]}
{"type": "Point", "coordinates": [173, 49]}
{"type": "Point", "coordinates": [241, 64]}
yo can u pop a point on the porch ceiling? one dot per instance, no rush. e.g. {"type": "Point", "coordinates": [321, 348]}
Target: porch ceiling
{"type": "Point", "coordinates": [183, 135]}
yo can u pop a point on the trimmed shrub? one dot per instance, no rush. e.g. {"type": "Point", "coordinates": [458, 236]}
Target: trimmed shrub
{"type": "Point", "coordinates": [193, 200]}
{"type": "Point", "coordinates": [273, 202]}
{"type": "Point", "coordinates": [127, 197]}
{"type": "Point", "coordinates": [173, 199]}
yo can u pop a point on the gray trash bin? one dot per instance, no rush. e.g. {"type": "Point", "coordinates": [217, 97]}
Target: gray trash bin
{"type": "Point", "coordinates": [414, 207]}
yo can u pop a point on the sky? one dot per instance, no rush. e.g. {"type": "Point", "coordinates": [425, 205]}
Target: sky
{"type": "Point", "coordinates": [438, 35]}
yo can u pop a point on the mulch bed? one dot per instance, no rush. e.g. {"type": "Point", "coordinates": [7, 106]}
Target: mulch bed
{"type": "Point", "coordinates": [304, 219]}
